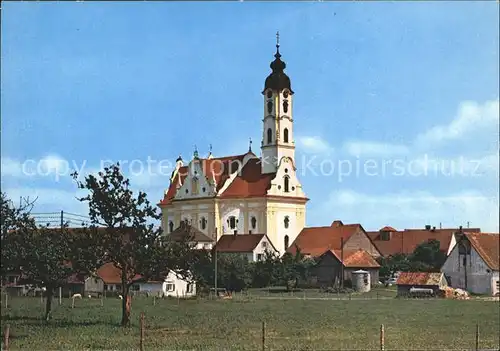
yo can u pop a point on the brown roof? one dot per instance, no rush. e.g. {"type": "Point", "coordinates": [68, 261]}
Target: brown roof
{"type": "Point", "coordinates": [406, 241]}
{"type": "Point", "coordinates": [315, 241]}
{"type": "Point", "coordinates": [238, 242]}
{"type": "Point", "coordinates": [487, 246]}
{"type": "Point", "coordinates": [355, 258]}
{"type": "Point", "coordinates": [110, 274]}
{"type": "Point", "coordinates": [419, 278]}
{"type": "Point", "coordinates": [185, 230]}
{"type": "Point", "coordinates": [388, 229]}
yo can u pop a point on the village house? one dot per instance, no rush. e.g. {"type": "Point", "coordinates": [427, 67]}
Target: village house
{"type": "Point", "coordinates": [420, 283]}
{"type": "Point", "coordinates": [390, 241]}
{"type": "Point", "coordinates": [473, 264]}
{"type": "Point", "coordinates": [198, 239]}
{"type": "Point", "coordinates": [330, 265]}
{"type": "Point", "coordinates": [251, 246]}
{"type": "Point", "coordinates": [314, 241]}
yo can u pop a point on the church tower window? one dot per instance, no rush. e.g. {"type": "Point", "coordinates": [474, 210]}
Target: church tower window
{"type": "Point", "coordinates": [285, 135]}
{"type": "Point", "coordinates": [269, 107]}
{"type": "Point", "coordinates": [286, 222]}
{"type": "Point", "coordinates": [287, 239]}
{"type": "Point", "coordinates": [285, 106]}
{"type": "Point", "coordinates": [286, 184]}
{"type": "Point", "coordinates": [170, 226]}
{"type": "Point", "coordinates": [269, 136]}
{"type": "Point", "coordinates": [269, 94]}
{"type": "Point", "coordinates": [253, 222]}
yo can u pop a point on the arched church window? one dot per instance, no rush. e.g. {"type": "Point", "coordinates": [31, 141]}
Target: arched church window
{"type": "Point", "coordinates": [285, 94]}
{"type": "Point", "coordinates": [253, 222]}
{"type": "Point", "coordinates": [287, 239]}
{"type": "Point", "coordinates": [269, 135]}
{"type": "Point", "coordinates": [203, 223]}
{"type": "Point", "coordinates": [285, 135]}
{"type": "Point", "coordinates": [269, 94]}
{"type": "Point", "coordinates": [286, 222]}
{"type": "Point", "coordinates": [286, 184]}
{"type": "Point", "coordinates": [285, 106]}
{"type": "Point", "coordinates": [269, 107]}
{"type": "Point", "coordinates": [232, 222]}
{"type": "Point", "coordinates": [170, 226]}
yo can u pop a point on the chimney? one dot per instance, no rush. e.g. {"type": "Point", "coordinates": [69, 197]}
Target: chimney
{"type": "Point", "coordinates": [427, 227]}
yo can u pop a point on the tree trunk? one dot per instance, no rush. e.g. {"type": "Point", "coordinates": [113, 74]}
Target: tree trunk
{"type": "Point", "coordinates": [48, 303]}
{"type": "Point", "coordinates": [126, 304]}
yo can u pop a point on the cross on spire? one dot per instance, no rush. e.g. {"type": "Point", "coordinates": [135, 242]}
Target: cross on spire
{"type": "Point", "coordinates": [277, 38]}
{"type": "Point", "coordinates": [249, 144]}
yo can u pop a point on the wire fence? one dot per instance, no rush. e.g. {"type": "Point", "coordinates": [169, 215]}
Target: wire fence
{"type": "Point", "coordinates": [60, 219]}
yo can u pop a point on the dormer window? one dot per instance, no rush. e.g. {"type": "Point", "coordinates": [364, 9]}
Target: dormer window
{"type": "Point", "coordinates": [385, 236]}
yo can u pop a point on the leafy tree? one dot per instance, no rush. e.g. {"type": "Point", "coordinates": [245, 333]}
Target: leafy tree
{"type": "Point", "coordinates": [293, 269]}
{"type": "Point", "coordinates": [428, 257]}
{"type": "Point", "coordinates": [130, 240]}
{"type": "Point", "coordinates": [44, 257]}
{"type": "Point", "coordinates": [265, 271]}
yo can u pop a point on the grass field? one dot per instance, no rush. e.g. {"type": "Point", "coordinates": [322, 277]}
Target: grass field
{"type": "Point", "coordinates": [291, 324]}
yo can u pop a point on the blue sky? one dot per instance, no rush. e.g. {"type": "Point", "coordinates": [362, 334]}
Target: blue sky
{"type": "Point", "coordinates": [373, 82]}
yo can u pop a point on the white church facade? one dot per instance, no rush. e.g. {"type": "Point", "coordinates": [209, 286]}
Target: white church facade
{"type": "Point", "coordinates": [245, 194]}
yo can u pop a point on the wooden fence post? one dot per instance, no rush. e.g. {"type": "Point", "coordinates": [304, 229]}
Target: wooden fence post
{"type": "Point", "coordinates": [6, 300]}
{"type": "Point", "coordinates": [142, 331]}
{"type": "Point", "coordinates": [102, 301]}
{"type": "Point", "coordinates": [263, 335]}
{"type": "Point", "coordinates": [73, 303]}
{"type": "Point", "coordinates": [60, 296]}
{"type": "Point", "coordinates": [154, 300]}
{"type": "Point", "coordinates": [477, 337]}
{"type": "Point", "coordinates": [6, 337]}
{"type": "Point", "coordinates": [382, 338]}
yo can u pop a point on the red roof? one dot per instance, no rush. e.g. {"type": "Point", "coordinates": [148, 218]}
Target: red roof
{"type": "Point", "coordinates": [355, 258]}
{"type": "Point", "coordinates": [406, 241]}
{"type": "Point", "coordinates": [487, 246]}
{"type": "Point", "coordinates": [110, 274]}
{"type": "Point", "coordinates": [251, 181]}
{"type": "Point", "coordinates": [315, 241]}
{"type": "Point", "coordinates": [239, 242]}
{"type": "Point", "coordinates": [419, 278]}
{"type": "Point", "coordinates": [388, 229]}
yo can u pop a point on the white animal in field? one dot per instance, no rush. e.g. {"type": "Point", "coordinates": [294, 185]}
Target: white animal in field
{"type": "Point", "coordinates": [120, 297]}
{"type": "Point", "coordinates": [77, 295]}
{"type": "Point", "coordinates": [90, 296]}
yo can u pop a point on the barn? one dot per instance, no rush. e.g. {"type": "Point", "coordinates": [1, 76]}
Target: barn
{"type": "Point", "coordinates": [420, 283]}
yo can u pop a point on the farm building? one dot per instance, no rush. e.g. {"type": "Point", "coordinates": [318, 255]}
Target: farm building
{"type": "Point", "coordinates": [329, 267]}
{"type": "Point", "coordinates": [252, 246]}
{"type": "Point", "coordinates": [390, 241]}
{"type": "Point", "coordinates": [314, 241]}
{"type": "Point", "coordinates": [176, 286]}
{"type": "Point", "coordinates": [409, 281]}
{"type": "Point", "coordinates": [473, 264]}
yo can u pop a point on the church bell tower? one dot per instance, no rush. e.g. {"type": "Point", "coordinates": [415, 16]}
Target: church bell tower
{"type": "Point", "coordinates": [277, 135]}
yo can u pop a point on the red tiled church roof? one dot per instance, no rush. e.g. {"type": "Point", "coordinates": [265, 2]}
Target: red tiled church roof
{"type": "Point", "coordinates": [251, 182]}
{"type": "Point", "coordinates": [487, 246]}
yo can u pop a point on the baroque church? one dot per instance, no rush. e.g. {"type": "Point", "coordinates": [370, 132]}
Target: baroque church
{"type": "Point", "coordinates": [245, 194]}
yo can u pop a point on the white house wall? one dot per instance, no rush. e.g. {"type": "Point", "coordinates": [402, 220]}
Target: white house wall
{"type": "Point", "coordinates": [480, 279]}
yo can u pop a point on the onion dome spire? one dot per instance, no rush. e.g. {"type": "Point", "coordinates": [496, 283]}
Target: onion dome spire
{"type": "Point", "coordinates": [278, 80]}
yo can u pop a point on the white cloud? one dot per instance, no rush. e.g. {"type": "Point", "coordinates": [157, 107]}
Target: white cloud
{"type": "Point", "coordinates": [413, 209]}
{"type": "Point", "coordinates": [470, 118]}
{"type": "Point", "coordinates": [374, 149]}
{"type": "Point", "coordinates": [314, 144]}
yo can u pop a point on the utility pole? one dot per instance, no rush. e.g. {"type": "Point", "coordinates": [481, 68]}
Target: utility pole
{"type": "Point", "coordinates": [62, 219]}
{"type": "Point", "coordinates": [215, 263]}
{"type": "Point", "coordinates": [342, 262]}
